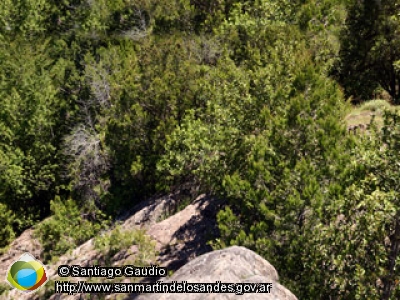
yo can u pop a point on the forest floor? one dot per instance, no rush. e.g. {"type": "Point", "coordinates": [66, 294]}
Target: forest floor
{"type": "Point", "coordinates": [360, 115]}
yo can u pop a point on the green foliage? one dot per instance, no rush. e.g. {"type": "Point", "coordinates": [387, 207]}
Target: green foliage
{"type": "Point", "coordinates": [353, 251]}
{"type": "Point", "coordinates": [89, 20]}
{"type": "Point", "coordinates": [198, 149]}
{"type": "Point", "coordinates": [287, 165]}
{"type": "Point", "coordinates": [23, 17]}
{"type": "Point", "coordinates": [252, 34]}
{"type": "Point", "coordinates": [165, 79]}
{"type": "Point", "coordinates": [369, 49]}
{"type": "Point", "coordinates": [27, 119]}
{"type": "Point", "coordinates": [4, 288]}
{"type": "Point", "coordinates": [280, 172]}
{"type": "Point", "coordinates": [322, 22]}
{"type": "Point", "coordinates": [68, 227]}
{"type": "Point", "coordinates": [375, 106]}
{"type": "Point", "coordinates": [355, 262]}
{"type": "Point", "coordinates": [7, 220]}
{"type": "Point", "coordinates": [111, 243]}
{"type": "Point", "coordinates": [118, 239]}
{"type": "Point", "coordinates": [109, 102]}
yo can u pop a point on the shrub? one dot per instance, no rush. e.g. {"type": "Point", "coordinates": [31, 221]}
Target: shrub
{"type": "Point", "coordinates": [68, 227]}
{"type": "Point", "coordinates": [6, 230]}
{"type": "Point", "coordinates": [119, 239]}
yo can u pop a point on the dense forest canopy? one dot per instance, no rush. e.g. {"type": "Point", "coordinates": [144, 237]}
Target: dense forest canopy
{"type": "Point", "coordinates": [106, 103]}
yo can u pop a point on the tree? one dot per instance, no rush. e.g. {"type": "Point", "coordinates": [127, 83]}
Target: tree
{"type": "Point", "coordinates": [6, 226]}
{"type": "Point", "coordinates": [200, 149]}
{"type": "Point", "coordinates": [88, 159]}
{"type": "Point", "coordinates": [28, 147]}
{"type": "Point", "coordinates": [22, 17]}
{"type": "Point", "coordinates": [353, 253]}
{"type": "Point", "coordinates": [322, 22]}
{"type": "Point", "coordinates": [156, 86]}
{"type": "Point", "coordinates": [370, 47]}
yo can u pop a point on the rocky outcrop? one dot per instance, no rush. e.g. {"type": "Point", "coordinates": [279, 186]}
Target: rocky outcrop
{"type": "Point", "coordinates": [184, 235]}
{"type": "Point", "coordinates": [181, 240]}
{"type": "Point", "coordinates": [26, 242]}
{"type": "Point", "coordinates": [142, 216]}
{"type": "Point", "coordinates": [230, 265]}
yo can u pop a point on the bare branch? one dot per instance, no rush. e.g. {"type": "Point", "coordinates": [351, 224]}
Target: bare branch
{"type": "Point", "coordinates": [141, 30]}
{"type": "Point", "coordinates": [88, 161]}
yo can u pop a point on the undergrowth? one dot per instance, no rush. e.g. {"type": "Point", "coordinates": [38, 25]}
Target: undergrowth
{"type": "Point", "coordinates": [67, 228]}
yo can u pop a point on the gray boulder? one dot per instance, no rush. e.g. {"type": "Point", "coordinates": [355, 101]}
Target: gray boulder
{"type": "Point", "coordinates": [231, 265]}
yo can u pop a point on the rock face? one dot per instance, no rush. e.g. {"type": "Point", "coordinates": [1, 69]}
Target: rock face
{"type": "Point", "coordinates": [26, 242]}
{"type": "Point", "coordinates": [179, 236]}
{"type": "Point", "coordinates": [231, 265]}
{"type": "Point", "coordinates": [181, 239]}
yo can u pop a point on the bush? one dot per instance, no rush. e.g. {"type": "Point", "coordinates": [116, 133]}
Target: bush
{"type": "Point", "coordinates": [68, 227]}
{"type": "Point", "coordinates": [6, 230]}
{"type": "Point", "coordinates": [119, 239]}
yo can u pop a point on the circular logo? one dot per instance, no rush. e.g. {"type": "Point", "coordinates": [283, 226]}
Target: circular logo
{"type": "Point", "coordinates": [26, 274]}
